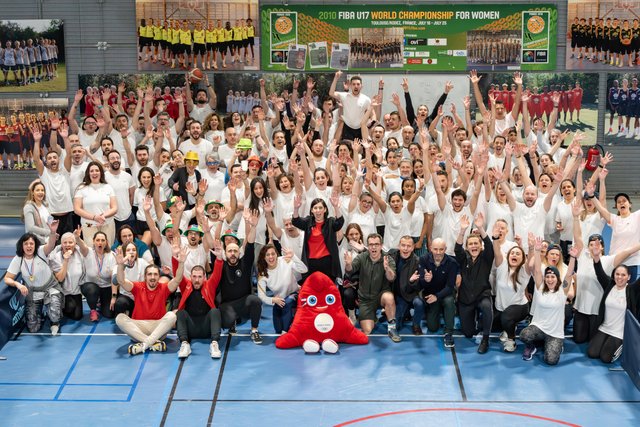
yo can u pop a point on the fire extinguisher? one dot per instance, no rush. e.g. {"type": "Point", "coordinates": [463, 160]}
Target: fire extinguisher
{"type": "Point", "coordinates": [593, 157]}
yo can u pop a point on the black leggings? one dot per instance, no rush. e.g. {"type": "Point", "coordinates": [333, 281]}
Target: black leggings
{"type": "Point", "coordinates": [248, 306]}
{"type": "Point", "coordinates": [72, 307]}
{"type": "Point", "coordinates": [124, 304]}
{"type": "Point", "coordinates": [508, 319]}
{"type": "Point", "coordinates": [194, 327]}
{"type": "Point", "coordinates": [92, 292]}
{"type": "Point", "coordinates": [322, 265]}
{"type": "Point", "coordinates": [585, 327]}
{"type": "Point", "coordinates": [604, 347]}
{"type": "Point", "coordinates": [467, 315]}
{"type": "Point", "coordinates": [349, 297]}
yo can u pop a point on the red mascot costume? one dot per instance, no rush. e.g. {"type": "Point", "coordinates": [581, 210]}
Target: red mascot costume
{"type": "Point", "coordinates": [320, 318]}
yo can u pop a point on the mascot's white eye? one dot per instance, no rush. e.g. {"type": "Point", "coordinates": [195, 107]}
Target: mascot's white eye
{"type": "Point", "coordinates": [330, 299]}
{"type": "Point", "coordinates": [312, 300]}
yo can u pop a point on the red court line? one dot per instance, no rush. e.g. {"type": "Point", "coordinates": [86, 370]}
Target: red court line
{"type": "Point", "coordinates": [493, 411]}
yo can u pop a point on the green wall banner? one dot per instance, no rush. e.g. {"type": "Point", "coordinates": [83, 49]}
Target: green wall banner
{"type": "Point", "coordinates": [399, 37]}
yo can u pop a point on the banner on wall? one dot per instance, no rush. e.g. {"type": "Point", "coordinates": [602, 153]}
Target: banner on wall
{"type": "Point", "coordinates": [409, 38]}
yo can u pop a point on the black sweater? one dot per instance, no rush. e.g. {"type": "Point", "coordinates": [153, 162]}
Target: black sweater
{"type": "Point", "coordinates": [632, 290]}
{"type": "Point", "coordinates": [475, 274]}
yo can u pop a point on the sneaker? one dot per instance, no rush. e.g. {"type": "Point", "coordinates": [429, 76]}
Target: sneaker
{"type": "Point", "coordinates": [393, 334]}
{"type": "Point", "coordinates": [159, 346]}
{"type": "Point", "coordinates": [330, 346]}
{"type": "Point", "coordinates": [214, 350]}
{"type": "Point", "coordinates": [484, 346]}
{"type": "Point", "coordinates": [528, 352]}
{"type": "Point", "coordinates": [54, 330]}
{"type": "Point", "coordinates": [185, 350]}
{"type": "Point", "coordinates": [630, 133]}
{"type": "Point", "coordinates": [310, 346]}
{"type": "Point", "coordinates": [616, 354]}
{"type": "Point", "coordinates": [448, 341]}
{"type": "Point", "coordinates": [93, 316]}
{"type": "Point", "coordinates": [255, 337]}
{"type": "Point", "coordinates": [417, 330]}
{"type": "Point", "coordinates": [503, 337]}
{"type": "Point", "coordinates": [509, 346]}
{"type": "Point", "coordinates": [621, 132]}
{"type": "Point", "coordinates": [136, 348]}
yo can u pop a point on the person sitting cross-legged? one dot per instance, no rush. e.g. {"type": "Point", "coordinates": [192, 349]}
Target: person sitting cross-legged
{"type": "Point", "coordinates": [150, 321]}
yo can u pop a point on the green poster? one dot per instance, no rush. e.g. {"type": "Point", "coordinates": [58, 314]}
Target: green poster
{"type": "Point", "coordinates": [445, 37]}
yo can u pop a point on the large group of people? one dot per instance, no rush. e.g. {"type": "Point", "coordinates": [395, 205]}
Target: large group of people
{"type": "Point", "coordinates": [186, 44]}
{"type": "Point", "coordinates": [493, 49]}
{"type": "Point", "coordinates": [611, 41]}
{"type": "Point", "coordinates": [414, 214]}
{"type": "Point", "coordinates": [29, 61]}
{"type": "Point", "coordinates": [623, 100]}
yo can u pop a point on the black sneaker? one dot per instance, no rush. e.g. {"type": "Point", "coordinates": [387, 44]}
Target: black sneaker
{"type": "Point", "coordinates": [232, 329]}
{"type": "Point", "coordinates": [448, 341]}
{"type": "Point", "coordinates": [255, 337]}
{"type": "Point", "coordinates": [484, 346]}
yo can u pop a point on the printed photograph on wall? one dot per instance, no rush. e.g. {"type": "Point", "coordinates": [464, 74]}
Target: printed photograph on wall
{"type": "Point", "coordinates": [205, 34]}
{"type": "Point", "coordinates": [18, 117]}
{"type": "Point", "coordinates": [622, 121]}
{"type": "Point", "coordinates": [32, 56]}
{"type": "Point", "coordinates": [603, 35]}
{"type": "Point", "coordinates": [577, 107]}
{"type": "Point", "coordinates": [397, 37]}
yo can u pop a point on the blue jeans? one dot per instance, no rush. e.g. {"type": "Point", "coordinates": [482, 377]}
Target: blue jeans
{"type": "Point", "coordinates": [402, 306]}
{"type": "Point", "coordinates": [283, 316]}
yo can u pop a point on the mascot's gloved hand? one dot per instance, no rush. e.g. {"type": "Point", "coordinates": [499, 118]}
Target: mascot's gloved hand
{"type": "Point", "coordinates": [320, 319]}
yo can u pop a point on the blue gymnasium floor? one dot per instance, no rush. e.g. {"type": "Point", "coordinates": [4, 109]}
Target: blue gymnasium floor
{"type": "Point", "coordinates": [85, 377]}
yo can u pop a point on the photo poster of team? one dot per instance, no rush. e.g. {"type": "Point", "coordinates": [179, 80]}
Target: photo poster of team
{"type": "Point", "coordinates": [18, 116]}
{"type": "Point", "coordinates": [622, 120]}
{"type": "Point", "coordinates": [603, 35]}
{"type": "Point", "coordinates": [32, 56]}
{"type": "Point", "coordinates": [176, 35]}
{"type": "Point", "coordinates": [403, 37]}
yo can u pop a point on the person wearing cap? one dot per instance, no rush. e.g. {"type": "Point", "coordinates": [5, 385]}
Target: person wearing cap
{"type": "Point", "coordinates": [550, 293]}
{"type": "Point", "coordinates": [199, 241]}
{"type": "Point", "coordinates": [625, 228]}
{"type": "Point", "coordinates": [185, 181]}
{"type": "Point", "coordinates": [254, 167]}
{"type": "Point", "coordinates": [165, 239]}
{"type": "Point", "coordinates": [589, 290]}
{"type": "Point", "coordinates": [150, 321]}
{"type": "Point", "coordinates": [235, 294]}
{"type": "Point", "coordinates": [218, 216]}
{"type": "Point", "coordinates": [241, 153]}
{"type": "Point", "coordinates": [195, 143]}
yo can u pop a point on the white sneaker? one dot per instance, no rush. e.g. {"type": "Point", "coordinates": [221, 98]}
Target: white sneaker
{"type": "Point", "coordinates": [214, 350]}
{"type": "Point", "coordinates": [630, 133]}
{"type": "Point", "coordinates": [311, 346]}
{"type": "Point", "coordinates": [330, 346]}
{"type": "Point", "coordinates": [54, 330]}
{"type": "Point", "coordinates": [621, 131]}
{"type": "Point", "coordinates": [509, 346]}
{"type": "Point", "coordinates": [185, 350]}
{"type": "Point", "coordinates": [504, 337]}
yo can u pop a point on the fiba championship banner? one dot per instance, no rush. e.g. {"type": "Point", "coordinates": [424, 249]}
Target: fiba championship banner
{"type": "Point", "coordinates": [409, 38]}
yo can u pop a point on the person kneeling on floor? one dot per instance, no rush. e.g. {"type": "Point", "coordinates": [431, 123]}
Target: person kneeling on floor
{"type": "Point", "coordinates": [198, 316]}
{"type": "Point", "coordinates": [150, 322]}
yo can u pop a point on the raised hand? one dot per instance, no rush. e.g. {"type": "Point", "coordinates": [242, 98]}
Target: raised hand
{"type": "Point", "coordinates": [297, 201]}
{"type": "Point", "coordinates": [267, 204]}
{"type": "Point", "coordinates": [517, 78]}
{"type": "Point", "coordinates": [78, 96]}
{"type": "Point", "coordinates": [217, 249]}
{"type": "Point", "coordinates": [473, 76]}
{"type": "Point", "coordinates": [428, 276]}
{"type": "Point", "coordinates": [606, 159]}
{"type": "Point", "coordinates": [464, 222]}
{"type": "Point", "coordinates": [575, 252]}
{"type": "Point", "coordinates": [576, 207]}
{"type": "Point", "coordinates": [119, 256]}
{"type": "Point", "coordinates": [479, 220]}
{"type": "Point", "coordinates": [415, 276]}
{"type": "Point", "coordinates": [203, 186]}
{"type": "Point", "coordinates": [287, 254]}
{"type": "Point", "coordinates": [147, 203]}
{"type": "Point", "coordinates": [182, 254]}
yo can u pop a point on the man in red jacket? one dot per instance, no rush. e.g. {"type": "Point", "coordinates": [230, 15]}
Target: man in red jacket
{"type": "Point", "coordinates": [198, 316]}
{"type": "Point", "coordinates": [150, 322]}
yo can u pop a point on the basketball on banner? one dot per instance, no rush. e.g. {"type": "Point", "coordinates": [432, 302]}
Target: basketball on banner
{"type": "Point", "coordinates": [191, 4]}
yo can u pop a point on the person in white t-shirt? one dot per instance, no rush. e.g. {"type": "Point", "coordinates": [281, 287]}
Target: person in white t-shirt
{"type": "Point", "coordinates": [96, 204]}
{"type": "Point", "coordinates": [502, 120]}
{"type": "Point", "coordinates": [354, 105]}
{"type": "Point", "coordinates": [205, 100]}
{"type": "Point", "coordinates": [124, 186]}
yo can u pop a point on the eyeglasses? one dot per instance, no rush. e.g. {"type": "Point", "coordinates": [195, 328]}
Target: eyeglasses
{"type": "Point", "coordinates": [374, 244]}
{"type": "Point", "coordinates": [213, 163]}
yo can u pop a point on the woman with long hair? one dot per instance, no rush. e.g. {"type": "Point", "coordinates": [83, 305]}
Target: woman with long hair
{"type": "Point", "coordinates": [145, 188]}
{"type": "Point", "coordinates": [35, 213]}
{"type": "Point", "coordinates": [99, 264]}
{"type": "Point", "coordinates": [353, 243]}
{"type": "Point", "coordinates": [95, 203]}
{"type": "Point", "coordinates": [280, 275]}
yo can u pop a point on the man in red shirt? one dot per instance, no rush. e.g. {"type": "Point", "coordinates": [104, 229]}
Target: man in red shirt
{"type": "Point", "coordinates": [150, 322]}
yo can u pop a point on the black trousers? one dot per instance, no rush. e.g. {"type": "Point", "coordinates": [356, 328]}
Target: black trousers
{"type": "Point", "coordinates": [603, 346]}
{"type": "Point", "coordinates": [195, 327]}
{"type": "Point", "coordinates": [248, 306]}
{"type": "Point", "coordinates": [585, 327]}
{"type": "Point", "coordinates": [94, 293]}
{"type": "Point", "coordinates": [508, 319]}
{"type": "Point", "coordinates": [124, 304]}
{"type": "Point", "coordinates": [468, 312]}
{"type": "Point", "coordinates": [72, 307]}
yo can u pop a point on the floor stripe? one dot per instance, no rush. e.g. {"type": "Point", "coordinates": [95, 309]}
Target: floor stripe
{"type": "Point", "coordinates": [138, 375]}
{"type": "Point", "coordinates": [215, 394]}
{"type": "Point", "coordinates": [399, 401]}
{"type": "Point", "coordinates": [171, 394]}
{"type": "Point", "coordinates": [75, 362]}
{"type": "Point", "coordinates": [463, 393]}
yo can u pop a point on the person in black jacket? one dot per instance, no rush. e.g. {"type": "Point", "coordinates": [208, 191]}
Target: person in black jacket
{"type": "Point", "coordinates": [474, 294]}
{"type": "Point", "coordinates": [438, 272]}
{"type": "Point", "coordinates": [185, 175]}
{"type": "Point", "coordinates": [619, 296]}
{"type": "Point", "coordinates": [405, 287]}
{"type": "Point", "coordinates": [320, 247]}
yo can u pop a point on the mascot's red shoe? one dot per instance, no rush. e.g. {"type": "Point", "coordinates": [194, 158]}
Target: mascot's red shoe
{"type": "Point", "coordinates": [320, 318]}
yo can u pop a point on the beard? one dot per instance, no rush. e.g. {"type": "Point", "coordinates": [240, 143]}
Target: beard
{"type": "Point", "coordinates": [201, 101]}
